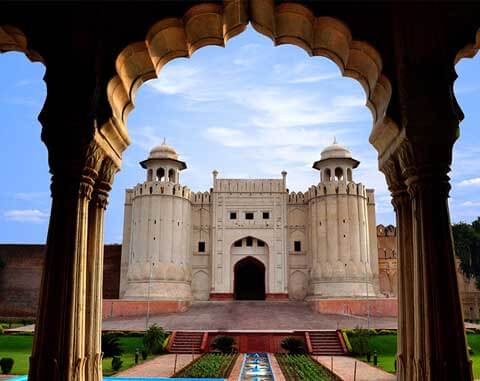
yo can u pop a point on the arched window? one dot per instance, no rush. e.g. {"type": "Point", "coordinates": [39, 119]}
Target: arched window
{"type": "Point", "coordinates": [150, 175]}
{"type": "Point", "coordinates": [349, 174]}
{"type": "Point", "coordinates": [338, 174]}
{"type": "Point", "coordinates": [327, 174]}
{"type": "Point", "coordinates": [160, 174]}
{"type": "Point", "coordinates": [171, 175]}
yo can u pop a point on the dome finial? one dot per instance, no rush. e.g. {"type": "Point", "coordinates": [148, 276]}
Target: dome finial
{"type": "Point", "coordinates": [334, 139]}
{"type": "Point", "coordinates": [164, 140]}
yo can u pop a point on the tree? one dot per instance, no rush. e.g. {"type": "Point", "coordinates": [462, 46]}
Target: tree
{"type": "Point", "coordinates": [467, 248]}
{"type": "Point", "coordinates": [154, 339]}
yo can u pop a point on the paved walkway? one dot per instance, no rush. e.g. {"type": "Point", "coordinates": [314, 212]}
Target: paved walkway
{"type": "Point", "coordinates": [277, 372]}
{"type": "Point", "coordinates": [236, 368]}
{"type": "Point", "coordinates": [162, 366]}
{"type": "Point", "coordinates": [343, 367]}
{"type": "Point", "coordinates": [248, 315]}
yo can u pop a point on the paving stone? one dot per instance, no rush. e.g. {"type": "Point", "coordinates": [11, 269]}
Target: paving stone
{"type": "Point", "coordinates": [343, 366]}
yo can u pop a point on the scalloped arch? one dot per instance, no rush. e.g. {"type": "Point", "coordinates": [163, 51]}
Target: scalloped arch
{"type": "Point", "coordinates": [13, 39]}
{"type": "Point", "coordinates": [286, 23]}
{"type": "Point", "coordinates": [470, 50]}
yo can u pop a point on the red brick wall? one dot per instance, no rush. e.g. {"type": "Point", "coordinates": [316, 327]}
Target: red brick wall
{"type": "Point", "coordinates": [111, 271]}
{"type": "Point", "coordinates": [248, 342]}
{"type": "Point", "coordinates": [20, 278]}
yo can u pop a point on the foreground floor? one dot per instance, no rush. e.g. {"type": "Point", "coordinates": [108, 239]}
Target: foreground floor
{"type": "Point", "coordinates": [248, 315]}
{"type": "Point", "coordinates": [162, 366]}
{"type": "Point", "coordinates": [344, 367]}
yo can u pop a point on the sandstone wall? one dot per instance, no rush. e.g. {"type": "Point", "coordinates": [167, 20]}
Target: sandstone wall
{"type": "Point", "coordinates": [20, 278]}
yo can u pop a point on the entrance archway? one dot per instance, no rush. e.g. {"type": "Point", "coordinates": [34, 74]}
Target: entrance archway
{"type": "Point", "coordinates": [249, 275]}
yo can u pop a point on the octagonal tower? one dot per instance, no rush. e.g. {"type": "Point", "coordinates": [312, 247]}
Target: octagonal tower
{"type": "Point", "coordinates": [339, 229]}
{"type": "Point", "coordinates": [156, 254]}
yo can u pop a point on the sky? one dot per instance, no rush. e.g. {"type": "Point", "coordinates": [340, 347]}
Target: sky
{"type": "Point", "coordinates": [249, 110]}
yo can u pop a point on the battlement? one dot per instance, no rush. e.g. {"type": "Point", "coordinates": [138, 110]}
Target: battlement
{"type": "Point", "coordinates": [201, 198]}
{"type": "Point", "coordinates": [161, 188]}
{"type": "Point", "coordinates": [296, 198]}
{"type": "Point", "coordinates": [249, 185]}
{"type": "Point", "coordinates": [329, 188]}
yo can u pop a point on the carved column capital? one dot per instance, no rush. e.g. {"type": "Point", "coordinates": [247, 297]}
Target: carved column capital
{"type": "Point", "coordinates": [104, 183]}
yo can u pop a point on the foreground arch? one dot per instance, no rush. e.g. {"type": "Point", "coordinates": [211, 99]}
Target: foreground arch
{"type": "Point", "coordinates": [415, 116]}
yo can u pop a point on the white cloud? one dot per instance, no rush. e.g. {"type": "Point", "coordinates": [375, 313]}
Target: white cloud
{"type": "Point", "coordinates": [26, 216]}
{"type": "Point", "coordinates": [470, 203]}
{"type": "Point", "coordinates": [146, 137]}
{"type": "Point", "coordinates": [288, 139]}
{"type": "Point", "coordinates": [313, 78]}
{"type": "Point", "coordinates": [470, 182]}
{"type": "Point", "coordinates": [30, 196]}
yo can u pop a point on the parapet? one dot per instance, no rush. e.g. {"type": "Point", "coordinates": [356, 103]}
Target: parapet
{"type": "Point", "coordinates": [249, 185]}
{"type": "Point", "coordinates": [296, 198]}
{"type": "Point", "coordinates": [201, 198]}
{"type": "Point", "coordinates": [161, 188]}
{"type": "Point", "coordinates": [334, 188]}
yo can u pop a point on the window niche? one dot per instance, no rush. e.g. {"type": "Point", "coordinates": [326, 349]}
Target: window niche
{"type": "Point", "coordinates": [297, 246]}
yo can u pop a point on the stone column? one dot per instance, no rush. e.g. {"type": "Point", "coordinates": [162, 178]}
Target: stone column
{"type": "Point", "coordinates": [440, 351]}
{"type": "Point", "coordinates": [94, 289]}
{"type": "Point", "coordinates": [405, 255]}
{"type": "Point", "coordinates": [59, 344]}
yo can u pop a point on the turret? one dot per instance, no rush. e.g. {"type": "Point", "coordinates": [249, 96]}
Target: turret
{"type": "Point", "coordinates": [163, 164]}
{"type": "Point", "coordinates": [336, 163]}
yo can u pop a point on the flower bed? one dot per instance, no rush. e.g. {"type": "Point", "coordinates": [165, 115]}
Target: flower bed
{"type": "Point", "coordinates": [303, 368]}
{"type": "Point", "coordinates": [210, 365]}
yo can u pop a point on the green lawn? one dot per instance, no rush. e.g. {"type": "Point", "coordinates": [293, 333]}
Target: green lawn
{"type": "Point", "coordinates": [19, 347]}
{"type": "Point", "coordinates": [386, 347]}
{"type": "Point", "coordinates": [474, 342]}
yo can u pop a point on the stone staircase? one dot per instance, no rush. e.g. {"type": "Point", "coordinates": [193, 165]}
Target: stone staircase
{"type": "Point", "coordinates": [187, 342]}
{"type": "Point", "coordinates": [325, 343]}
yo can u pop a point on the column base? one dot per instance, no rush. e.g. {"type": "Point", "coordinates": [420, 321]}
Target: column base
{"type": "Point", "coordinates": [158, 290]}
{"type": "Point", "coordinates": [342, 289]}
{"type": "Point", "coordinates": [376, 307]}
{"type": "Point", "coordinates": [220, 296]}
{"type": "Point", "coordinates": [114, 308]}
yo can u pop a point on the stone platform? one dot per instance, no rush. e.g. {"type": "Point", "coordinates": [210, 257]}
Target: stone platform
{"type": "Point", "coordinates": [250, 316]}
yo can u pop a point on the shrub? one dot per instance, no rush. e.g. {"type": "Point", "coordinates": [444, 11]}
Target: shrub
{"type": "Point", "coordinates": [144, 354]}
{"type": "Point", "coordinates": [116, 363]}
{"type": "Point", "coordinates": [347, 341]}
{"type": "Point", "coordinates": [111, 345]}
{"type": "Point", "coordinates": [359, 341]}
{"type": "Point", "coordinates": [6, 364]}
{"type": "Point", "coordinates": [224, 344]}
{"type": "Point", "coordinates": [293, 345]}
{"type": "Point", "coordinates": [1, 329]}
{"type": "Point", "coordinates": [153, 339]}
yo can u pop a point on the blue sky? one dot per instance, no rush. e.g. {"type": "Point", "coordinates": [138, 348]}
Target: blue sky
{"type": "Point", "coordinates": [249, 110]}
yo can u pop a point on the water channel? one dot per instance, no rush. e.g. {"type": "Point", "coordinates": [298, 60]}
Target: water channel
{"type": "Point", "coordinates": [256, 367]}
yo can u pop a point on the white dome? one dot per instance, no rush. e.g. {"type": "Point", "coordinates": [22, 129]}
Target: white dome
{"type": "Point", "coordinates": [163, 151]}
{"type": "Point", "coordinates": [335, 151]}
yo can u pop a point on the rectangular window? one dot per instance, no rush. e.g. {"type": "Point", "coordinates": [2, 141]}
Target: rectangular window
{"type": "Point", "coordinates": [266, 215]}
{"type": "Point", "coordinates": [238, 243]}
{"type": "Point", "coordinates": [201, 247]}
{"type": "Point", "coordinates": [233, 215]}
{"type": "Point", "coordinates": [249, 241]}
{"type": "Point", "coordinates": [260, 243]}
{"type": "Point", "coordinates": [297, 246]}
{"type": "Point", "coordinates": [249, 216]}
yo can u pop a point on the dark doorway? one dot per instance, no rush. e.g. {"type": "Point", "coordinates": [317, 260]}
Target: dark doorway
{"type": "Point", "coordinates": [249, 280]}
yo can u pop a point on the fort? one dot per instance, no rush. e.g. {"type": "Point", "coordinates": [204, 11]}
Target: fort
{"type": "Point", "coordinates": [245, 239]}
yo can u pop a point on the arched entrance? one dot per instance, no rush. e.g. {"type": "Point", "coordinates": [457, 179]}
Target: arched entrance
{"type": "Point", "coordinates": [249, 275]}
